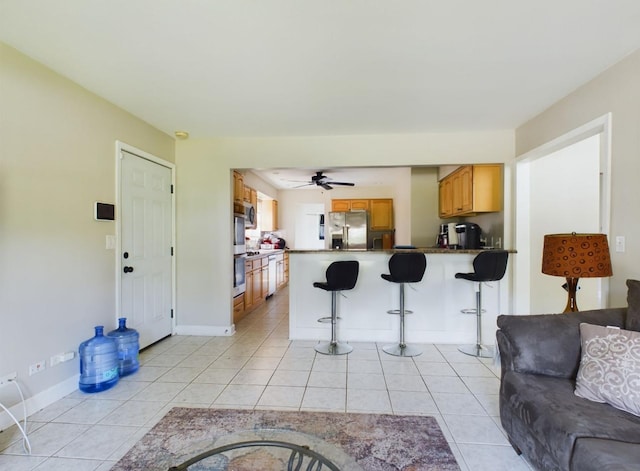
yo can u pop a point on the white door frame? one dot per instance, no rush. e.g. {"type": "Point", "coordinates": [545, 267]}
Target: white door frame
{"type": "Point", "coordinates": [121, 146]}
{"type": "Point", "coordinates": [602, 126]}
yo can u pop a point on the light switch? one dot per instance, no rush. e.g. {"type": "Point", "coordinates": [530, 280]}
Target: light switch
{"type": "Point", "coordinates": [620, 244]}
{"type": "Point", "coordinates": [111, 242]}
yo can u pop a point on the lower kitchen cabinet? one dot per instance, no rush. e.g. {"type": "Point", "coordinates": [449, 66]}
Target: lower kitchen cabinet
{"type": "Point", "coordinates": [257, 281]}
{"type": "Point", "coordinates": [238, 308]}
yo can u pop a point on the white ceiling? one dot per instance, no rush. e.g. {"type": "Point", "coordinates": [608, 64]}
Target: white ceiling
{"type": "Point", "coordinates": [320, 67]}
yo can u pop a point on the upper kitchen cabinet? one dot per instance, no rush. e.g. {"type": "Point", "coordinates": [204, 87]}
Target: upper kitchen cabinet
{"type": "Point", "coordinates": [471, 189]}
{"type": "Point", "coordinates": [349, 205]}
{"type": "Point", "coordinates": [250, 196]}
{"type": "Point", "coordinates": [268, 215]}
{"type": "Point", "coordinates": [238, 187]}
{"type": "Point", "coordinates": [380, 211]}
{"type": "Point", "coordinates": [381, 214]}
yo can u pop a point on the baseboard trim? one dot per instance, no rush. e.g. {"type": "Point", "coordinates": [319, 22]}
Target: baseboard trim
{"type": "Point", "coordinates": [206, 330]}
{"type": "Point", "coordinates": [39, 401]}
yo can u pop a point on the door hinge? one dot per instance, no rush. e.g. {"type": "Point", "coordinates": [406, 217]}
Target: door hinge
{"type": "Point", "coordinates": [171, 313]}
{"type": "Point", "coordinates": [172, 251]}
{"type": "Point", "coordinates": [171, 189]}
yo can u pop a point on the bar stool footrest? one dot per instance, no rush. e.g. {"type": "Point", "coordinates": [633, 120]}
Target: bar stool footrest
{"type": "Point", "coordinates": [333, 348]}
{"type": "Point", "coordinates": [396, 312]}
{"type": "Point", "coordinates": [480, 351]}
{"type": "Point", "coordinates": [327, 320]}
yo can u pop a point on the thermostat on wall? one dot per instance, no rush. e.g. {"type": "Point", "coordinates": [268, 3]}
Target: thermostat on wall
{"type": "Point", "coordinates": [104, 212]}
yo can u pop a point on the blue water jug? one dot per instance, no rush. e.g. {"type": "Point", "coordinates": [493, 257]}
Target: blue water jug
{"type": "Point", "coordinates": [128, 344]}
{"type": "Point", "coordinates": [98, 363]}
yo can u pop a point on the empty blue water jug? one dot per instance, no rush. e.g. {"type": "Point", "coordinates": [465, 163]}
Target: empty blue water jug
{"type": "Point", "coordinates": [128, 344]}
{"type": "Point", "coordinates": [98, 363]}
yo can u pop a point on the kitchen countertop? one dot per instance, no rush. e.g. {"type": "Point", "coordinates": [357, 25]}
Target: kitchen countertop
{"type": "Point", "coordinates": [264, 253]}
{"type": "Point", "coordinates": [426, 250]}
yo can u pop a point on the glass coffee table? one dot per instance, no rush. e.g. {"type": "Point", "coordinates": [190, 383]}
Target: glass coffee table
{"type": "Point", "coordinates": [268, 450]}
{"type": "Point", "coordinates": [300, 457]}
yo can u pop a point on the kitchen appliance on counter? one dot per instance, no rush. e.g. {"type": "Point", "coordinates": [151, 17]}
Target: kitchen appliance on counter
{"type": "Point", "coordinates": [468, 235]}
{"type": "Point", "coordinates": [348, 230]}
{"type": "Point", "coordinates": [442, 241]}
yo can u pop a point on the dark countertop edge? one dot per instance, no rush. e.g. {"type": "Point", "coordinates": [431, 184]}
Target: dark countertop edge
{"type": "Point", "coordinates": [266, 253]}
{"type": "Point", "coordinates": [426, 250]}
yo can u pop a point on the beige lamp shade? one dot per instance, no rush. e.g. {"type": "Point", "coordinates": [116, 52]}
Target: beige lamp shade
{"type": "Point", "coordinates": [576, 255]}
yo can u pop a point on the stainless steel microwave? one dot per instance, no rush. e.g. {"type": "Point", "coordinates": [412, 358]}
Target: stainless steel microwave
{"type": "Point", "coordinates": [249, 215]}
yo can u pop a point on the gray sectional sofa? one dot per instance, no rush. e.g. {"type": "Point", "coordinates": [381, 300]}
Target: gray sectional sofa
{"type": "Point", "coordinates": [543, 418]}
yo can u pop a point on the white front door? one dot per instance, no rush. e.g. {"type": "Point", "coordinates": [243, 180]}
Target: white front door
{"type": "Point", "coordinates": [146, 247]}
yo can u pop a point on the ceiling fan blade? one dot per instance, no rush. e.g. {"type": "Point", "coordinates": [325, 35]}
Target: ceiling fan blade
{"type": "Point", "coordinates": [325, 186]}
{"type": "Point", "coordinates": [303, 185]}
{"type": "Point", "coordinates": [342, 183]}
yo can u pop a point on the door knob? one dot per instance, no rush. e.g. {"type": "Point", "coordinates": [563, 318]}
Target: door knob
{"type": "Point", "coordinates": [128, 269]}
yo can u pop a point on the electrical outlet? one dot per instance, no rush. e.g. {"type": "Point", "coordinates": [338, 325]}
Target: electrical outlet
{"type": "Point", "coordinates": [61, 358]}
{"type": "Point", "coordinates": [9, 377]}
{"type": "Point", "coordinates": [37, 367]}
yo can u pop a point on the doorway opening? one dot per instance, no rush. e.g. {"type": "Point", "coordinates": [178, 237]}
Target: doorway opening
{"type": "Point", "coordinates": [562, 186]}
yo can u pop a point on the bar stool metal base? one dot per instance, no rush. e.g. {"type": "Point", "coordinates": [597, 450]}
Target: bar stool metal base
{"type": "Point", "coordinates": [402, 350]}
{"type": "Point", "coordinates": [333, 348]}
{"type": "Point", "coordinates": [480, 351]}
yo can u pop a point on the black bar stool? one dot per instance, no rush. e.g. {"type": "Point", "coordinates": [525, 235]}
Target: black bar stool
{"type": "Point", "coordinates": [488, 266]}
{"type": "Point", "coordinates": [404, 268]}
{"type": "Point", "coordinates": [341, 276]}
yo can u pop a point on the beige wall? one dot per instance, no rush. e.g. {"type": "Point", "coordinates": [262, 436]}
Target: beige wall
{"type": "Point", "coordinates": [617, 90]}
{"type": "Point", "coordinates": [425, 222]}
{"type": "Point", "coordinates": [204, 196]}
{"type": "Point", "coordinates": [57, 157]}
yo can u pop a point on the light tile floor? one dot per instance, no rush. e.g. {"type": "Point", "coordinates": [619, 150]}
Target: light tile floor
{"type": "Point", "coordinates": [259, 368]}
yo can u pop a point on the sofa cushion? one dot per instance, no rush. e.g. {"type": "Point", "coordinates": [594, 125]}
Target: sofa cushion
{"type": "Point", "coordinates": [633, 300]}
{"type": "Point", "coordinates": [610, 367]}
{"type": "Point", "coordinates": [550, 344]}
{"type": "Point", "coordinates": [546, 408]}
{"type": "Point", "coordinates": [594, 454]}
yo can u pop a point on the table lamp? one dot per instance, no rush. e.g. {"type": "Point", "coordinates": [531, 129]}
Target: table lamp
{"type": "Point", "coordinates": [576, 256]}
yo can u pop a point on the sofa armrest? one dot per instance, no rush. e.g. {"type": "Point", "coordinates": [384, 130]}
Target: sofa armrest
{"type": "Point", "coordinates": [548, 344]}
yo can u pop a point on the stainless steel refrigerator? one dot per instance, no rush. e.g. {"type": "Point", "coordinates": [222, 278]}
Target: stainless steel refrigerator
{"type": "Point", "coordinates": [348, 230]}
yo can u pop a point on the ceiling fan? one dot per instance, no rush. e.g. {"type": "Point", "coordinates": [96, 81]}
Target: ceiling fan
{"type": "Point", "coordinates": [325, 182]}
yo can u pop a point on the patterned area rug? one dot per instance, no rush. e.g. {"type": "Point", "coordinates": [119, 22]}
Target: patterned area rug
{"type": "Point", "coordinates": [352, 442]}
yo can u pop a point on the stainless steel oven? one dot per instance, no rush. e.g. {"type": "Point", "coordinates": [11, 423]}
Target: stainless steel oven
{"type": "Point", "coordinates": [239, 246]}
{"type": "Point", "coordinates": [239, 275]}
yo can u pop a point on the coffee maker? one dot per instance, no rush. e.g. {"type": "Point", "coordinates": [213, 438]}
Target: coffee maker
{"type": "Point", "coordinates": [442, 241]}
{"type": "Point", "coordinates": [468, 235]}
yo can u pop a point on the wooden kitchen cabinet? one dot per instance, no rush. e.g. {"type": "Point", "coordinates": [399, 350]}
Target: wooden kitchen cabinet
{"type": "Point", "coordinates": [268, 215]}
{"type": "Point", "coordinates": [238, 187]}
{"type": "Point", "coordinates": [256, 283]}
{"type": "Point", "coordinates": [381, 214]}
{"type": "Point", "coordinates": [349, 205]}
{"type": "Point", "coordinates": [471, 189]}
{"type": "Point", "coordinates": [280, 271]}
{"type": "Point", "coordinates": [238, 308]}
{"type": "Point", "coordinates": [248, 293]}
{"type": "Point", "coordinates": [265, 278]}
{"type": "Point", "coordinates": [446, 198]}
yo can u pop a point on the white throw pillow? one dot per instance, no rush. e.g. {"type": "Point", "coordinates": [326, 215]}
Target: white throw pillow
{"type": "Point", "coordinates": [610, 367]}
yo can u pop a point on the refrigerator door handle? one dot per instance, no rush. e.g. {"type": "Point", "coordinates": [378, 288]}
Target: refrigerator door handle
{"type": "Point", "coordinates": [345, 236]}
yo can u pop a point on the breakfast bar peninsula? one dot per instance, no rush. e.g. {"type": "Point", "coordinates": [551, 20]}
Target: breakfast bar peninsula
{"type": "Point", "coordinates": [436, 301]}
